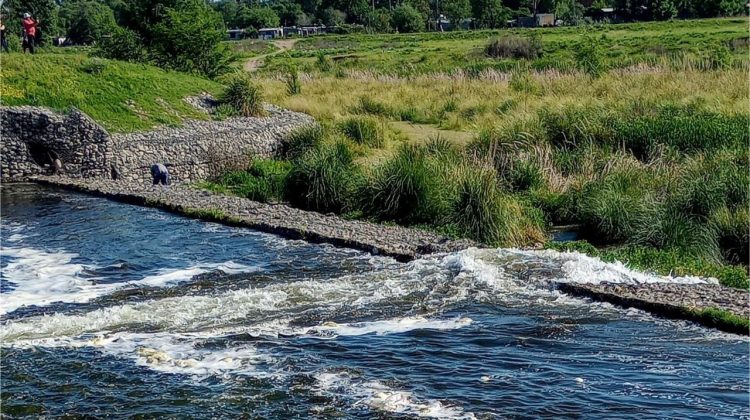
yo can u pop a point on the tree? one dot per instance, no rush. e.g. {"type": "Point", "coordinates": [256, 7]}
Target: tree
{"type": "Point", "coordinates": [380, 20]}
{"type": "Point", "coordinates": [663, 9]}
{"type": "Point", "coordinates": [288, 11]}
{"type": "Point", "coordinates": [456, 11]}
{"type": "Point", "coordinates": [86, 21]}
{"type": "Point", "coordinates": [332, 17]}
{"type": "Point", "coordinates": [189, 39]}
{"type": "Point", "coordinates": [44, 11]}
{"type": "Point", "coordinates": [490, 13]}
{"type": "Point", "coordinates": [569, 11]}
{"type": "Point", "coordinates": [259, 17]}
{"type": "Point", "coordinates": [407, 19]}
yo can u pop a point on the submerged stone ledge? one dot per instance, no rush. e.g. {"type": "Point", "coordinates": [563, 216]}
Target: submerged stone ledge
{"type": "Point", "coordinates": [671, 300]}
{"type": "Point", "coordinates": [692, 302]}
{"type": "Point", "coordinates": [401, 243]}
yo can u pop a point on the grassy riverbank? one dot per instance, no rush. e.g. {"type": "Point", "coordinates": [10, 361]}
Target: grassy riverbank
{"type": "Point", "coordinates": [648, 155]}
{"type": "Point", "coordinates": [686, 43]}
{"type": "Point", "coordinates": [121, 96]}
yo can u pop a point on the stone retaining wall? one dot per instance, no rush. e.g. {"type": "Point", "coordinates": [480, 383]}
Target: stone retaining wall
{"type": "Point", "coordinates": [34, 137]}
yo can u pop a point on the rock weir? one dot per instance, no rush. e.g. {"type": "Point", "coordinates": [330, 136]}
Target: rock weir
{"type": "Point", "coordinates": [671, 300]}
{"type": "Point", "coordinates": [399, 242]}
{"type": "Point", "coordinates": [692, 302]}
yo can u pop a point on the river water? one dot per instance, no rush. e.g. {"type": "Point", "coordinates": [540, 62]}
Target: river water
{"type": "Point", "coordinates": [112, 309]}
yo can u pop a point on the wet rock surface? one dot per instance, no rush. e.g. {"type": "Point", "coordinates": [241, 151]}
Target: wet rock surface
{"type": "Point", "coordinates": [673, 300]}
{"type": "Point", "coordinates": [396, 241]}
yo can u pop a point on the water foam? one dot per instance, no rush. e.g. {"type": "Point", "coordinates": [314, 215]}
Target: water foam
{"type": "Point", "coordinates": [331, 330]}
{"type": "Point", "coordinates": [375, 395]}
{"type": "Point", "coordinates": [40, 278]}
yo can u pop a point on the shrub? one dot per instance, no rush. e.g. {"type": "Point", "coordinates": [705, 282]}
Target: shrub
{"type": "Point", "coordinates": [243, 96]}
{"type": "Point", "coordinates": [363, 130]}
{"type": "Point", "coordinates": [189, 38]}
{"type": "Point", "coordinates": [123, 44]}
{"type": "Point", "coordinates": [371, 106]}
{"type": "Point", "coordinates": [299, 141]}
{"type": "Point", "coordinates": [406, 188]}
{"type": "Point", "coordinates": [264, 181]}
{"type": "Point", "coordinates": [514, 46]}
{"type": "Point", "coordinates": [323, 62]}
{"type": "Point", "coordinates": [733, 229]}
{"type": "Point", "coordinates": [293, 85]}
{"type": "Point", "coordinates": [588, 56]}
{"type": "Point", "coordinates": [407, 19]}
{"type": "Point", "coordinates": [523, 83]}
{"type": "Point", "coordinates": [483, 211]}
{"type": "Point", "coordinates": [613, 207]}
{"type": "Point", "coordinates": [323, 179]}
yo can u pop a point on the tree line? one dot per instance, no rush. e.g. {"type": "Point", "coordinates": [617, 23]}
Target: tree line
{"type": "Point", "coordinates": [415, 15]}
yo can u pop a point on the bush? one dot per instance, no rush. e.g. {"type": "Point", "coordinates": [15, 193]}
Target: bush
{"type": "Point", "coordinates": [406, 188]}
{"type": "Point", "coordinates": [293, 85]}
{"type": "Point", "coordinates": [264, 181]}
{"type": "Point", "coordinates": [407, 19]}
{"type": "Point", "coordinates": [244, 97]}
{"type": "Point", "coordinates": [323, 62]}
{"type": "Point", "coordinates": [323, 179]}
{"type": "Point", "coordinates": [483, 211]}
{"type": "Point", "coordinates": [299, 141]}
{"type": "Point", "coordinates": [189, 38]}
{"type": "Point", "coordinates": [514, 46]}
{"type": "Point", "coordinates": [613, 207]}
{"type": "Point", "coordinates": [123, 44]}
{"type": "Point", "coordinates": [363, 130]}
{"type": "Point", "coordinates": [524, 83]}
{"type": "Point", "coordinates": [371, 106]}
{"type": "Point", "coordinates": [588, 56]}
{"type": "Point", "coordinates": [87, 21]}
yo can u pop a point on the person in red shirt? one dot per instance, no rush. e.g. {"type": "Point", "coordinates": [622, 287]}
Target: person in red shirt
{"type": "Point", "coordinates": [29, 32]}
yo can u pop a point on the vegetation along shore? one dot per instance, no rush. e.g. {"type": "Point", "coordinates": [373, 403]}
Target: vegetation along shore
{"type": "Point", "coordinates": [634, 134]}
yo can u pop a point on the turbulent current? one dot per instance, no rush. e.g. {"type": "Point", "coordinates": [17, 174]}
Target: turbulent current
{"type": "Point", "coordinates": [115, 310]}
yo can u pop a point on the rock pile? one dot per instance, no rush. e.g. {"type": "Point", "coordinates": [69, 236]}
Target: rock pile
{"type": "Point", "coordinates": [34, 137]}
{"type": "Point", "coordinates": [399, 242]}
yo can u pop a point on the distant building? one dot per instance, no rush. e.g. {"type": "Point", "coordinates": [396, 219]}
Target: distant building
{"type": "Point", "coordinates": [270, 33]}
{"type": "Point", "coordinates": [538, 20]}
{"type": "Point", "coordinates": [235, 34]}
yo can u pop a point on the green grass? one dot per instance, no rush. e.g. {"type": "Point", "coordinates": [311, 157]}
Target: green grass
{"type": "Point", "coordinates": [123, 97]}
{"type": "Point", "coordinates": [716, 317]}
{"type": "Point", "coordinates": [688, 41]}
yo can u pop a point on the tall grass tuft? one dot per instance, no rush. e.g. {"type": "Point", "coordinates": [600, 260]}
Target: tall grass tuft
{"type": "Point", "coordinates": [243, 96]}
{"type": "Point", "coordinates": [363, 130]}
{"type": "Point", "coordinates": [514, 46]}
{"type": "Point", "coordinates": [484, 212]}
{"type": "Point", "coordinates": [299, 141]}
{"type": "Point", "coordinates": [264, 181]}
{"type": "Point", "coordinates": [406, 188]}
{"type": "Point", "coordinates": [293, 85]}
{"type": "Point", "coordinates": [323, 179]}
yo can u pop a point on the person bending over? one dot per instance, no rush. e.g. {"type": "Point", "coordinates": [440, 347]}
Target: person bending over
{"type": "Point", "coordinates": [160, 174]}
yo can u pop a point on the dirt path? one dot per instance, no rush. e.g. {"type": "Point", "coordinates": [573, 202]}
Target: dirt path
{"type": "Point", "coordinates": [255, 63]}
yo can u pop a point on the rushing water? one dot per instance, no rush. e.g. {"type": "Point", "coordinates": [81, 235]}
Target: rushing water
{"type": "Point", "coordinates": [126, 311]}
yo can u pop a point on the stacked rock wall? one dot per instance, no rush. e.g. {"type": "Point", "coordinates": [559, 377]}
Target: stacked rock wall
{"type": "Point", "coordinates": [201, 149]}
{"type": "Point", "coordinates": [33, 137]}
